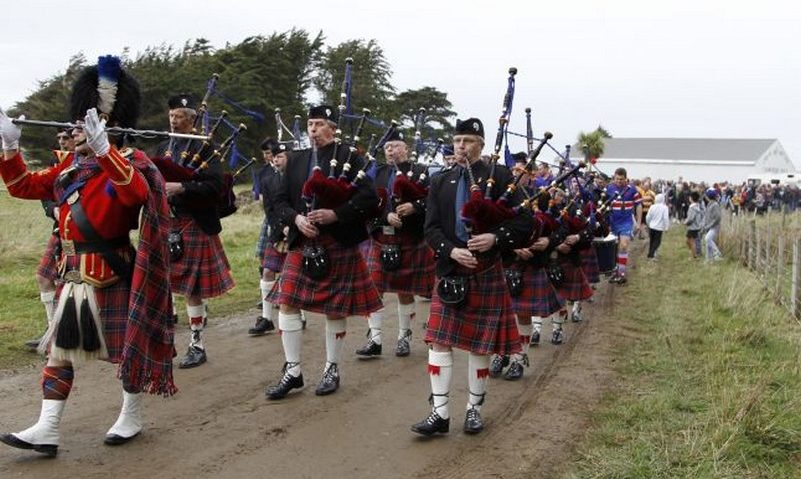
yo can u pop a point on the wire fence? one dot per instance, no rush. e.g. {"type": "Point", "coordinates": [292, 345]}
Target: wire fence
{"type": "Point", "coordinates": [770, 246]}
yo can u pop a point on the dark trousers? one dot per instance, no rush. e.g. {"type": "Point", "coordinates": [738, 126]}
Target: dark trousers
{"type": "Point", "coordinates": [655, 239]}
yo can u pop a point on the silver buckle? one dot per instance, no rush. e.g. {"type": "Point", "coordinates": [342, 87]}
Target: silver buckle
{"type": "Point", "coordinates": [68, 247]}
{"type": "Point", "coordinates": [73, 276]}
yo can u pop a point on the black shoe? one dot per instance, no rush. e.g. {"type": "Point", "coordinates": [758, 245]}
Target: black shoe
{"type": "Point", "coordinates": [473, 424]}
{"type": "Point", "coordinates": [195, 356]}
{"type": "Point", "coordinates": [557, 337]}
{"type": "Point", "coordinates": [116, 440]}
{"type": "Point", "coordinates": [622, 279]}
{"type": "Point", "coordinates": [47, 449]}
{"type": "Point", "coordinates": [329, 382]}
{"type": "Point", "coordinates": [262, 326]}
{"type": "Point", "coordinates": [403, 349]}
{"type": "Point", "coordinates": [497, 365]}
{"type": "Point", "coordinates": [175, 318]}
{"type": "Point", "coordinates": [432, 424]}
{"type": "Point", "coordinates": [515, 370]}
{"type": "Point", "coordinates": [575, 316]}
{"type": "Point", "coordinates": [287, 383]}
{"type": "Point", "coordinates": [34, 343]}
{"type": "Point", "coordinates": [535, 338]}
{"type": "Point", "coordinates": [369, 350]}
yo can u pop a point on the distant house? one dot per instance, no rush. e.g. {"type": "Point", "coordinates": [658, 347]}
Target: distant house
{"type": "Point", "coordinates": [693, 159]}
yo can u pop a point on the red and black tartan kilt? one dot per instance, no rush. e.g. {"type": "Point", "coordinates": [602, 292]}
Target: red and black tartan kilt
{"type": "Point", "coordinates": [48, 267]}
{"type": "Point", "coordinates": [416, 274]}
{"type": "Point", "coordinates": [589, 264]}
{"type": "Point", "coordinates": [484, 323]}
{"type": "Point", "coordinates": [575, 286]}
{"type": "Point", "coordinates": [203, 270]}
{"type": "Point", "coordinates": [538, 298]}
{"type": "Point", "coordinates": [347, 291]}
{"type": "Point", "coordinates": [273, 260]}
{"type": "Point", "coordinates": [113, 304]}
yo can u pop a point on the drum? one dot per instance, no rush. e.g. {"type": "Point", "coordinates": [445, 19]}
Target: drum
{"type": "Point", "coordinates": [606, 250]}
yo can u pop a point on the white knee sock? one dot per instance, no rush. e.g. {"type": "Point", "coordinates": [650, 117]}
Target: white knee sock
{"type": "Point", "coordinates": [266, 307]}
{"type": "Point", "coordinates": [374, 322]}
{"type": "Point", "coordinates": [536, 323]}
{"type": "Point", "coordinates": [196, 319]}
{"type": "Point", "coordinates": [291, 336]}
{"type": "Point", "coordinates": [405, 315]}
{"type": "Point", "coordinates": [478, 372]}
{"type": "Point", "coordinates": [334, 339]}
{"type": "Point", "coordinates": [48, 299]}
{"type": "Point", "coordinates": [440, 372]}
{"type": "Point", "coordinates": [525, 331]}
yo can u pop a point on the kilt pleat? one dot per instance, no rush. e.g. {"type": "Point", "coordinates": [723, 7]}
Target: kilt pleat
{"type": "Point", "coordinates": [575, 286]}
{"type": "Point", "coordinates": [589, 264]}
{"type": "Point", "coordinates": [203, 270]}
{"type": "Point", "coordinates": [416, 274]}
{"type": "Point", "coordinates": [483, 324]}
{"type": "Point", "coordinates": [346, 291]}
{"type": "Point", "coordinates": [273, 260]}
{"type": "Point", "coordinates": [48, 266]}
{"type": "Point", "coordinates": [538, 298]}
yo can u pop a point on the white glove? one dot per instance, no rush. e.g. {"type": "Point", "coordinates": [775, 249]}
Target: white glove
{"type": "Point", "coordinates": [9, 132]}
{"type": "Point", "coordinates": [95, 130]}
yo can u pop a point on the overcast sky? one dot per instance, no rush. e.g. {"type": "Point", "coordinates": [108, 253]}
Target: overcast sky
{"type": "Point", "coordinates": [703, 69]}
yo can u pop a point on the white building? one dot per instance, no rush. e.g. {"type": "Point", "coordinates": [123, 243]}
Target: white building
{"type": "Point", "coordinates": [693, 159]}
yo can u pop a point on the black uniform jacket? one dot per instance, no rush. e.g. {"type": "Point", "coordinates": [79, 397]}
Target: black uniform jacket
{"type": "Point", "coordinates": [201, 195]}
{"type": "Point", "coordinates": [352, 215]}
{"type": "Point", "coordinates": [413, 224]}
{"type": "Point", "coordinates": [440, 221]}
{"type": "Point", "coordinates": [270, 180]}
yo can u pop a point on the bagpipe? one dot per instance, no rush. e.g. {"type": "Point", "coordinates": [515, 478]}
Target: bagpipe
{"type": "Point", "coordinates": [330, 192]}
{"type": "Point", "coordinates": [481, 213]}
{"type": "Point", "coordinates": [407, 188]}
{"type": "Point", "coordinates": [193, 164]}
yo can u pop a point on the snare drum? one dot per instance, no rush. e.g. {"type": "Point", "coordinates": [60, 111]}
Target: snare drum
{"type": "Point", "coordinates": [606, 250]}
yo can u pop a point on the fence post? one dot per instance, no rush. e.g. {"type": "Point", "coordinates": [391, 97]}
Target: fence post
{"type": "Point", "coordinates": [779, 267]}
{"type": "Point", "coordinates": [796, 276]}
{"type": "Point", "coordinates": [751, 242]}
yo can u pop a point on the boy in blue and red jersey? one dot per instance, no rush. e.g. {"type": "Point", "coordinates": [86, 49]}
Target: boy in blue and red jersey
{"type": "Point", "coordinates": [625, 218]}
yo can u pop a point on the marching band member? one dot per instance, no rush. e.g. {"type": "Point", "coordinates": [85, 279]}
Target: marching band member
{"type": "Point", "coordinates": [113, 303]}
{"type": "Point", "coordinates": [399, 260]}
{"type": "Point", "coordinates": [324, 271]}
{"type": "Point", "coordinates": [470, 308]}
{"type": "Point", "coordinates": [200, 269]}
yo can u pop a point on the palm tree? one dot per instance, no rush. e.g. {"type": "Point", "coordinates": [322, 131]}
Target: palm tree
{"type": "Point", "coordinates": [592, 144]}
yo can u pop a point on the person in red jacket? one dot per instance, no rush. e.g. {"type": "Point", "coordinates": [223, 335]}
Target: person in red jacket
{"type": "Point", "coordinates": [113, 302]}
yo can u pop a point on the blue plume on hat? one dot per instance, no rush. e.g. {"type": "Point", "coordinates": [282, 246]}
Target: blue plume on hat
{"type": "Point", "coordinates": [109, 68]}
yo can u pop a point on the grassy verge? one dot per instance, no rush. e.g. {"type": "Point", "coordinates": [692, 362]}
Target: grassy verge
{"type": "Point", "coordinates": [23, 236]}
{"type": "Point", "coordinates": [710, 386]}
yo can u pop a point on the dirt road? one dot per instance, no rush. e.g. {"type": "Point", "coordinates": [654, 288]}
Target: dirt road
{"type": "Point", "coordinates": [221, 425]}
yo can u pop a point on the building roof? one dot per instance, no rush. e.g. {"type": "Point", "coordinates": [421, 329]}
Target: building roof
{"type": "Point", "coordinates": [703, 150]}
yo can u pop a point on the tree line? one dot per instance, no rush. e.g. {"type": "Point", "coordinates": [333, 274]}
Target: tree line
{"type": "Point", "coordinates": [287, 70]}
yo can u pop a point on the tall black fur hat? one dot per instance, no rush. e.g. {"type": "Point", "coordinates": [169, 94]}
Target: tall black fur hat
{"type": "Point", "coordinates": [107, 87]}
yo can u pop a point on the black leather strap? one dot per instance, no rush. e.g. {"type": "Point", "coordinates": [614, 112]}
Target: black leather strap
{"type": "Point", "coordinates": [101, 245]}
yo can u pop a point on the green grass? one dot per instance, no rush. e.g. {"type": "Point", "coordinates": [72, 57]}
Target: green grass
{"type": "Point", "coordinates": [23, 236]}
{"type": "Point", "coordinates": [710, 383]}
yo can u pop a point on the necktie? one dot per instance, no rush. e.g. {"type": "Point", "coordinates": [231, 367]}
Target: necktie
{"type": "Point", "coordinates": [462, 194]}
